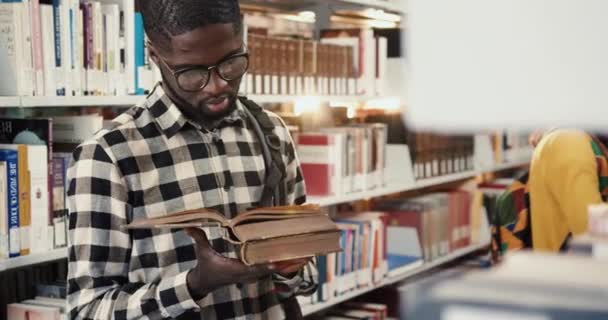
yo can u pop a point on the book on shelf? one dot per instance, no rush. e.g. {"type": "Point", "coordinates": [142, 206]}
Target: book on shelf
{"type": "Point", "coordinates": [301, 67]}
{"type": "Point", "coordinates": [369, 244]}
{"type": "Point", "coordinates": [24, 195]}
{"type": "Point", "coordinates": [341, 160]}
{"type": "Point", "coordinates": [442, 220]}
{"type": "Point", "coordinates": [363, 44]}
{"type": "Point", "coordinates": [264, 235]}
{"type": "Point", "coordinates": [12, 194]}
{"type": "Point", "coordinates": [71, 48]}
{"type": "Point", "coordinates": [15, 50]}
{"type": "Point", "coordinates": [32, 140]}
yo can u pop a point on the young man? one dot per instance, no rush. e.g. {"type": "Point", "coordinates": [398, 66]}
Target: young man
{"type": "Point", "coordinates": [190, 145]}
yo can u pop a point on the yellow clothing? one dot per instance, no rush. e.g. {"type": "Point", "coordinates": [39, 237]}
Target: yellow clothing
{"type": "Point", "coordinates": [563, 182]}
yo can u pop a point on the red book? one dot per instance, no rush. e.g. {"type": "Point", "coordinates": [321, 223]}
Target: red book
{"type": "Point", "coordinates": [454, 221]}
{"type": "Point", "coordinates": [316, 154]}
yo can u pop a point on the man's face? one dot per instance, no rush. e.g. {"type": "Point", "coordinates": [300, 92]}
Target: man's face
{"type": "Point", "coordinates": [205, 46]}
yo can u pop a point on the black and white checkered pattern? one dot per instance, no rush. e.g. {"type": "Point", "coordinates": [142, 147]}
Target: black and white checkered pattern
{"type": "Point", "coordinates": [153, 162]}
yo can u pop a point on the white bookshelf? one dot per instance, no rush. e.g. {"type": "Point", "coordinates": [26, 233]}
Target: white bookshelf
{"type": "Point", "coordinates": [313, 308]}
{"type": "Point", "coordinates": [36, 258]}
{"type": "Point", "coordinates": [10, 102]}
{"type": "Point", "coordinates": [127, 101]}
{"type": "Point", "coordinates": [30, 102]}
{"type": "Point", "coordinates": [420, 184]}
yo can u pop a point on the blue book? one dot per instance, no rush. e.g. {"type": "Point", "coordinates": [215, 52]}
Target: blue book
{"type": "Point", "coordinates": [357, 263]}
{"type": "Point", "coordinates": [396, 261]}
{"type": "Point", "coordinates": [12, 175]}
{"type": "Point", "coordinates": [140, 50]}
{"type": "Point", "coordinates": [322, 270]}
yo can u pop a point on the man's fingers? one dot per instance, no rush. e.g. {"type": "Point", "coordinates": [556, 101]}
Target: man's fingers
{"type": "Point", "coordinates": [200, 237]}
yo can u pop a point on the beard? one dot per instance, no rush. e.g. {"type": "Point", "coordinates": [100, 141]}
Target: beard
{"type": "Point", "coordinates": [206, 111]}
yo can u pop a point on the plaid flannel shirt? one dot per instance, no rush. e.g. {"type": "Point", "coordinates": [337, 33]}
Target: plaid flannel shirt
{"type": "Point", "coordinates": [152, 162]}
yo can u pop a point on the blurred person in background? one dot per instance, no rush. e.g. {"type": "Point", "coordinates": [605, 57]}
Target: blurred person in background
{"type": "Point", "coordinates": [568, 172]}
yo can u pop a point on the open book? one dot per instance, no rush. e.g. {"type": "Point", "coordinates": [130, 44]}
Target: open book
{"type": "Point", "coordinates": [265, 235]}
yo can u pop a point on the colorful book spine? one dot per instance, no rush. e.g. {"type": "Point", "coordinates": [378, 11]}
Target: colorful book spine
{"type": "Point", "coordinates": [140, 55]}
{"type": "Point", "coordinates": [25, 217]}
{"type": "Point", "coordinates": [59, 213]}
{"type": "Point", "coordinates": [12, 173]}
{"type": "Point", "coordinates": [57, 25]}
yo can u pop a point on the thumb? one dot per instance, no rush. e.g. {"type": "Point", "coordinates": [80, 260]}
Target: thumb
{"type": "Point", "coordinates": [199, 236]}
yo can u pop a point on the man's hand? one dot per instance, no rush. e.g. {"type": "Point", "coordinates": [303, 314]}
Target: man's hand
{"type": "Point", "coordinates": [288, 268]}
{"type": "Point", "coordinates": [214, 270]}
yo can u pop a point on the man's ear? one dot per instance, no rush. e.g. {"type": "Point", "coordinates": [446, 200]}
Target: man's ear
{"type": "Point", "coordinates": [153, 53]}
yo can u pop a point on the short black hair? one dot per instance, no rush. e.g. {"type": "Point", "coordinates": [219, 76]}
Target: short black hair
{"type": "Point", "coordinates": [166, 18]}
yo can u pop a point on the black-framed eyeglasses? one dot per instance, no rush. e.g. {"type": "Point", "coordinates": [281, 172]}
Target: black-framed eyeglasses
{"type": "Point", "coordinates": [196, 78]}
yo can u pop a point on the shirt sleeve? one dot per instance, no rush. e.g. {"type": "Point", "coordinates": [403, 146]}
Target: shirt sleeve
{"type": "Point", "coordinates": [99, 249]}
{"type": "Point", "coordinates": [574, 178]}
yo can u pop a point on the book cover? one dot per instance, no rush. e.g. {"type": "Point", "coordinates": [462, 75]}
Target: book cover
{"type": "Point", "coordinates": [59, 205]}
{"type": "Point", "coordinates": [316, 152]}
{"type": "Point", "coordinates": [37, 56]}
{"type": "Point", "coordinates": [58, 22]}
{"type": "Point", "coordinates": [48, 49]}
{"type": "Point", "coordinates": [32, 132]}
{"type": "Point", "coordinates": [12, 194]}
{"type": "Point", "coordinates": [12, 49]}
{"type": "Point", "coordinates": [66, 46]}
{"type": "Point", "coordinates": [3, 213]}
{"type": "Point", "coordinates": [24, 195]}
{"type": "Point", "coordinates": [140, 60]}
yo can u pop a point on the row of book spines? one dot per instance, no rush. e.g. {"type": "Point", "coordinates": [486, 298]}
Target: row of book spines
{"type": "Point", "coordinates": [362, 262]}
{"type": "Point", "coordinates": [276, 56]}
{"type": "Point", "coordinates": [26, 217]}
{"type": "Point", "coordinates": [343, 160]}
{"type": "Point", "coordinates": [351, 63]}
{"type": "Point", "coordinates": [435, 155]}
{"type": "Point", "coordinates": [443, 221]}
{"type": "Point", "coordinates": [443, 226]}
{"type": "Point", "coordinates": [73, 48]}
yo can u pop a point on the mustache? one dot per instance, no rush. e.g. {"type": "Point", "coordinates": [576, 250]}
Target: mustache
{"type": "Point", "coordinates": [217, 98]}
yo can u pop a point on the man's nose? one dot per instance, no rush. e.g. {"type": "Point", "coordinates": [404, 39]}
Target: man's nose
{"type": "Point", "coordinates": [216, 84]}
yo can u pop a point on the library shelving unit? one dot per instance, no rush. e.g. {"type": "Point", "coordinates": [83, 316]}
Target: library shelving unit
{"type": "Point", "coordinates": [408, 273]}
{"type": "Point", "coordinates": [33, 259]}
{"type": "Point", "coordinates": [10, 101]}
{"type": "Point", "coordinates": [396, 6]}
{"type": "Point", "coordinates": [126, 101]}
{"type": "Point", "coordinates": [420, 184]}
{"type": "Point", "coordinates": [61, 253]}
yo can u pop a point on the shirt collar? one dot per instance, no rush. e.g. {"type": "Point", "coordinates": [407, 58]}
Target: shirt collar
{"type": "Point", "coordinates": [171, 120]}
